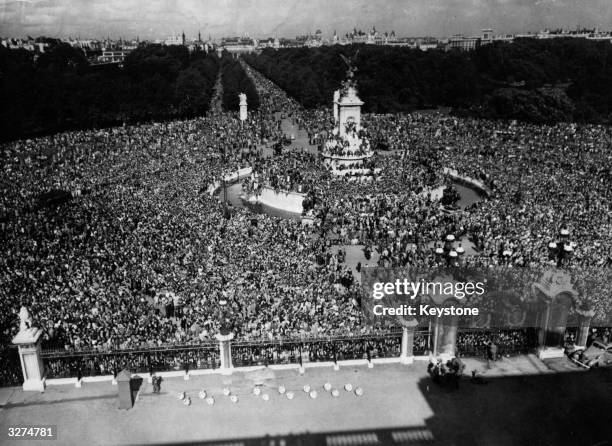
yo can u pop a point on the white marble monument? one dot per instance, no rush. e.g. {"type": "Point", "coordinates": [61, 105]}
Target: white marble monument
{"type": "Point", "coordinates": [28, 342]}
{"type": "Point", "coordinates": [225, 349]}
{"type": "Point", "coordinates": [243, 106]}
{"type": "Point", "coordinates": [348, 147]}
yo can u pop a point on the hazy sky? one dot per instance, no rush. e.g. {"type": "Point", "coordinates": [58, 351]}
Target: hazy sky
{"type": "Point", "coordinates": [285, 18]}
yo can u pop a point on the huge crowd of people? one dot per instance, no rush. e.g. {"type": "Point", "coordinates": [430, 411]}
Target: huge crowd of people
{"type": "Point", "coordinates": [297, 172]}
{"type": "Point", "coordinates": [98, 226]}
{"type": "Point", "coordinates": [136, 222]}
{"type": "Point", "coordinates": [507, 341]}
{"type": "Point", "coordinates": [541, 178]}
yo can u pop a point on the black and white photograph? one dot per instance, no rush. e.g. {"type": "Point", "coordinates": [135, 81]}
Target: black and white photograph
{"type": "Point", "coordinates": [306, 222]}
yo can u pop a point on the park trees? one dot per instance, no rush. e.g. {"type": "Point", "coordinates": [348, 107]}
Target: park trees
{"type": "Point", "coordinates": [540, 81]}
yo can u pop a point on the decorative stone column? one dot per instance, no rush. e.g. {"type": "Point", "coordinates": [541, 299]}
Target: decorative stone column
{"type": "Point", "coordinates": [447, 337]}
{"type": "Point", "coordinates": [555, 292]}
{"type": "Point", "coordinates": [28, 341]}
{"type": "Point", "coordinates": [407, 355]}
{"type": "Point", "coordinates": [583, 328]}
{"type": "Point", "coordinates": [225, 351]}
{"type": "Point", "coordinates": [349, 109]}
{"type": "Point", "coordinates": [243, 106]}
{"type": "Point", "coordinates": [336, 99]}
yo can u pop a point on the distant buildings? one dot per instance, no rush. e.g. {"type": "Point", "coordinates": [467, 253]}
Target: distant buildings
{"type": "Point", "coordinates": [471, 43]}
{"type": "Point", "coordinates": [238, 45]}
{"type": "Point", "coordinates": [245, 44]}
{"type": "Point", "coordinates": [111, 57]}
{"type": "Point", "coordinates": [29, 44]}
{"type": "Point", "coordinates": [460, 42]}
{"type": "Point", "coordinates": [373, 37]}
{"type": "Point", "coordinates": [200, 44]}
{"type": "Point", "coordinates": [589, 34]}
{"type": "Point", "coordinates": [175, 39]}
{"type": "Point", "coordinates": [114, 51]}
{"type": "Point", "coordinates": [463, 43]}
{"type": "Point", "coordinates": [269, 43]}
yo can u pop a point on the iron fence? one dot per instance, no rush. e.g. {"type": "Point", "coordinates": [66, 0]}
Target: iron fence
{"type": "Point", "coordinates": [10, 371]}
{"type": "Point", "coordinates": [63, 364]}
{"type": "Point", "coordinates": [269, 352]}
{"type": "Point", "coordinates": [510, 342]}
{"type": "Point", "coordinates": [597, 331]}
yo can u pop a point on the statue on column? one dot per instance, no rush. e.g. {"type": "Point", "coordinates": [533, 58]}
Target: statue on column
{"type": "Point", "coordinates": [243, 106]}
{"type": "Point", "coordinates": [350, 81]}
{"type": "Point", "coordinates": [28, 341]}
{"type": "Point", "coordinates": [25, 319]}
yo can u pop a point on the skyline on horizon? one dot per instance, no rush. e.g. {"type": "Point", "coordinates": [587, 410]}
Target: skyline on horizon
{"type": "Point", "coordinates": [157, 19]}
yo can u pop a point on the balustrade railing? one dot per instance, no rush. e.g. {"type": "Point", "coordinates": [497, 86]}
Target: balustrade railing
{"type": "Point", "coordinates": [83, 363]}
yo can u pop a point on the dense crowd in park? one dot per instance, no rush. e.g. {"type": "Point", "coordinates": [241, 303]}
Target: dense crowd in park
{"type": "Point", "coordinates": [507, 342]}
{"type": "Point", "coordinates": [541, 178]}
{"type": "Point", "coordinates": [136, 222]}
{"type": "Point", "coordinates": [113, 238]}
{"type": "Point", "coordinates": [287, 172]}
{"type": "Point", "coordinates": [354, 143]}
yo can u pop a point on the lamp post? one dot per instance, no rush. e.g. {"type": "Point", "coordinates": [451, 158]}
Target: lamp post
{"type": "Point", "coordinates": [561, 250]}
{"type": "Point", "coordinates": [453, 256]}
{"type": "Point", "coordinates": [460, 251]}
{"type": "Point", "coordinates": [225, 337]}
{"type": "Point", "coordinates": [224, 320]}
{"type": "Point", "coordinates": [506, 254]}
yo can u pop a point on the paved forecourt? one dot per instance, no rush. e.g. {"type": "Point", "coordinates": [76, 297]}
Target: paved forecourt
{"type": "Point", "coordinates": [399, 402]}
{"type": "Point", "coordinates": [91, 411]}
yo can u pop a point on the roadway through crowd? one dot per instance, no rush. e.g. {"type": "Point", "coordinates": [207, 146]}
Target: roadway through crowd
{"type": "Point", "coordinates": [297, 140]}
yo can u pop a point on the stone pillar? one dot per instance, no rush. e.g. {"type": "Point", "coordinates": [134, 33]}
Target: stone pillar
{"type": "Point", "coordinates": [124, 389]}
{"type": "Point", "coordinates": [243, 106]}
{"type": "Point", "coordinates": [336, 99]}
{"type": "Point", "coordinates": [447, 338]}
{"type": "Point", "coordinates": [583, 328]}
{"type": "Point", "coordinates": [556, 292]}
{"type": "Point", "coordinates": [407, 355]}
{"type": "Point", "coordinates": [349, 108]}
{"type": "Point", "coordinates": [28, 341]}
{"type": "Point", "coordinates": [543, 325]}
{"type": "Point", "coordinates": [225, 352]}
{"type": "Point", "coordinates": [552, 330]}
{"type": "Point", "coordinates": [544, 351]}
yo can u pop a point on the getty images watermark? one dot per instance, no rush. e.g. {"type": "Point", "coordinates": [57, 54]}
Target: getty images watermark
{"type": "Point", "coordinates": [501, 297]}
{"type": "Point", "coordinates": [437, 291]}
